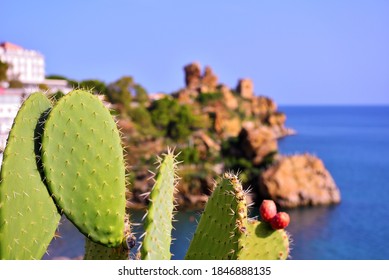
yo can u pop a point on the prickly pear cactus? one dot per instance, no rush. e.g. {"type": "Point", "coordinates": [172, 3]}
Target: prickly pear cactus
{"type": "Point", "coordinates": [158, 221]}
{"type": "Point", "coordinates": [95, 251]}
{"type": "Point", "coordinates": [224, 231]}
{"type": "Point", "coordinates": [83, 162]}
{"type": "Point", "coordinates": [28, 215]}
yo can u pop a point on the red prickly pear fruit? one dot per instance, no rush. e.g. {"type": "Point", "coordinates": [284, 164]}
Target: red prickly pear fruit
{"type": "Point", "coordinates": [280, 220]}
{"type": "Point", "coordinates": [268, 210]}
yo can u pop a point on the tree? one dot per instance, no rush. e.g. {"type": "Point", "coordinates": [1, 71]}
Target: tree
{"type": "Point", "coordinates": [141, 94]}
{"type": "Point", "coordinates": [3, 71]}
{"type": "Point", "coordinates": [96, 86]}
{"type": "Point", "coordinates": [56, 77]}
{"type": "Point", "coordinates": [120, 91]}
{"type": "Point", "coordinates": [174, 120]}
{"type": "Point", "coordinates": [15, 84]}
{"type": "Point", "coordinates": [43, 87]}
{"type": "Point", "coordinates": [72, 83]}
{"type": "Point", "coordinates": [142, 119]}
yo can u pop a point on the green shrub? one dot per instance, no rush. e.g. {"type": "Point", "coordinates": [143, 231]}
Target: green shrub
{"type": "Point", "coordinates": [174, 120]}
{"type": "Point", "coordinates": [206, 98]}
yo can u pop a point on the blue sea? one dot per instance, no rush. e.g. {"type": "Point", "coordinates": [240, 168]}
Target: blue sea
{"type": "Point", "coordinates": [353, 143]}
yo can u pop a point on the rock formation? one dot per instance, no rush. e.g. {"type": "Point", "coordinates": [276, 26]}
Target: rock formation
{"type": "Point", "coordinates": [184, 96]}
{"type": "Point", "coordinates": [257, 142]}
{"type": "Point", "coordinates": [226, 126]}
{"type": "Point", "coordinates": [245, 88]}
{"type": "Point", "coordinates": [192, 76]}
{"type": "Point", "coordinates": [229, 131]}
{"type": "Point", "coordinates": [195, 81]}
{"type": "Point", "coordinates": [208, 80]}
{"type": "Point", "coordinates": [263, 106]}
{"type": "Point", "coordinates": [228, 98]}
{"type": "Point", "coordinates": [299, 180]}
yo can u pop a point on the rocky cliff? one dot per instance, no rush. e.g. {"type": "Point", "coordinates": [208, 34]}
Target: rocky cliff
{"type": "Point", "coordinates": [299, 180]}
{"type": "Point", "coordinates": [218, 128]}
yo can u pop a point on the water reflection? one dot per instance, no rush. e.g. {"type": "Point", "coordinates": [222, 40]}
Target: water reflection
{"type": "Point", "coordinates": [71, 243]}
{"type": "Point", "coordinates": [183, 231]}
{"type": "Point", "coordinates": [310, 229]}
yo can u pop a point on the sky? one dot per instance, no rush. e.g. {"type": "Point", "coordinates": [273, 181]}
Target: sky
{"type": "Point", "coordinates": [324, 52]}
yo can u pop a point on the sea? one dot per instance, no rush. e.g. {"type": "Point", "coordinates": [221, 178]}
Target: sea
{"type": "Point", "coordinates": [353, 142]}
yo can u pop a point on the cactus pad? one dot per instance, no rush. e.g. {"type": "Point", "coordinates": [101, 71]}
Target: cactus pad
{"type": "Point", "coordinates": [158, 221]}
{"type": "Point", "coordinates": [224, 231]}
{"type": "Point", "coordinates": [261, 242]}
{"type": "Point", "coordinates": [28, 215]}
{"type": "Point", "coordinates": [83, 163]}
{"type": "Point", "coordinates": [95, 251]}
{"type": "Point", "coordinates": [217, 234]}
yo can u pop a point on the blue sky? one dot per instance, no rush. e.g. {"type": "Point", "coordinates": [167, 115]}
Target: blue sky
{"type": "Point", "coordinates": [297, 52]}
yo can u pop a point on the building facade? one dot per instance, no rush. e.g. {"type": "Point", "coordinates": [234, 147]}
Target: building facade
{"type": "Point", "coordinates": [26, 66]}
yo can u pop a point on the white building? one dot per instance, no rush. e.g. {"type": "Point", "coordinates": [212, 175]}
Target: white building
{"type": "Point", "coordinates": [10, 101]}
{"type": "Point", "coordinates": [27, 66]}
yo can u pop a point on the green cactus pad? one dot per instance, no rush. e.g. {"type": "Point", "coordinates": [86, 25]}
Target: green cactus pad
{"type": "Point", "coordinates": [224, 231]}
{"type": "Point", "coordinates": [217, 233]}
{"type": "Point", "coordinates": [95, 251]}
{"type": "Point", "coordinates": [261, 242]}
{"type": "Point", "coordinates": [83, 162]}
{"type": "Point", "coordinates": [28, 215]}
{"type": "Point", "coordinates": [158, 221]}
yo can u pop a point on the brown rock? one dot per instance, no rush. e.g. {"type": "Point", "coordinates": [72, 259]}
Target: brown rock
{"type": "Point", "coordinates": [245, 88]}
{"type": "Point", "coordinates": [229, 99]}
{"type": "Point", "coordinates": [225, 125]}
{"type": "Point", "coordinates": [192, 76]}
{"type": "Point", "coordinates": [257, 142]}
{"type": "Point", "coordinates": [299, 180]}
{"type": "Point", "coordinates": [206, 140]}
{"type": "Point", "coordinates": [276, 118]}
{"type": "Point", "coordinates": [276, 121]}
{"type": "Point", "coordinates": [208, 80]}
{"type": "Point", "coordinates": [184, 96]}
{"type": "Point", "coordinates": [245, 108]}
{"type": "Point", "coordinates": [262, 106]}
{"type": "Point", "coordinates": [232, 127]}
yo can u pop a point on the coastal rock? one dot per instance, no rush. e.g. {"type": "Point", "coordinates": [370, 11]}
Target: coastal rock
{"type": "Point", "coordinates": [184, 96]}
{"type": "Point", "coordinates": [192, 75]}
{"type": "Point", "coordinates": [245, 108]}
{"type": "Point", "coordinates": [299, 180]}
{"type": "Point", "coordinates": [257, 142]}
{"type": "Point", "coordinates": [229, 99]}
{"type": "Point", "coordinates": [263, 106]}
{"type": "Point", "coordinates": [276, 121]}
{"type": "Point", "coordinates": [204, 140]}
{"type": "Point", "coordinates": [208, 80]}
{"type": "Point", "coordinates": [245, 88]}
{"type": "Point", "coordinates": [225, 125]}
